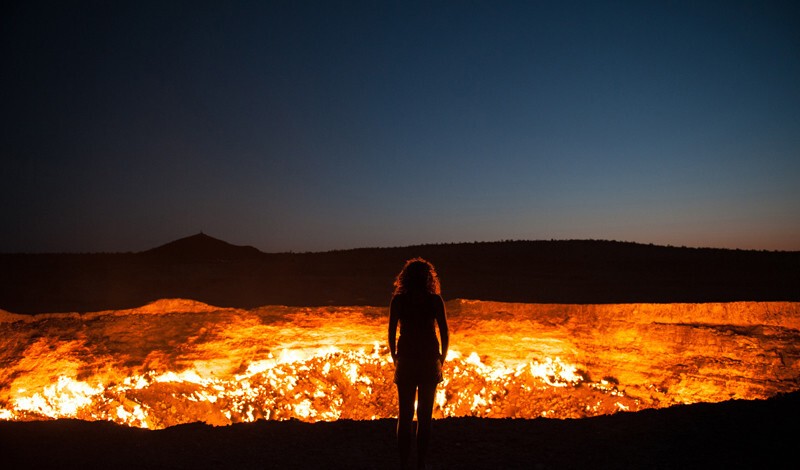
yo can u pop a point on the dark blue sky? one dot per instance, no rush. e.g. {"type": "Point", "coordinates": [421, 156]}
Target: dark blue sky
{"type": "Point", "coordinates": [310, 126]}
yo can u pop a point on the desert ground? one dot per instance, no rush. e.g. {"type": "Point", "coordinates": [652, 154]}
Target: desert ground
{"type": "Point", "coordinates": [213, 271]}
{"type": "Point", "coordinates": [733, 434]}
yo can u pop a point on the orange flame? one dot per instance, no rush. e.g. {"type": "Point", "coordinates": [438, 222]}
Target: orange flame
{"type": "Point", "coordinates": [175, 362]}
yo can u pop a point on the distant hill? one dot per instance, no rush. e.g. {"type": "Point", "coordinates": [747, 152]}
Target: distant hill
{"type": "Point", "coordinates": [209, 270]}
{"type": "Point", "coordinates": [202, 247]}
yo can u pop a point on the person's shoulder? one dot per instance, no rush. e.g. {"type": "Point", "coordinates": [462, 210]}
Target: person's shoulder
{"type": "Point", "coordinates": [435, 299]}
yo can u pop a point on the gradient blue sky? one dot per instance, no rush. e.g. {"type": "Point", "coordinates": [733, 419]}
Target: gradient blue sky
{"type": "Point", "coordinates": [311, 126]}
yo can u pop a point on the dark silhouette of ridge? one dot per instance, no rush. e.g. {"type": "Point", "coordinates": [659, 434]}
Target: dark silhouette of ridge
{"type": "Point", "coordinates": [202, 247]}
{"type": "Point", "coordinates": [209, 270]}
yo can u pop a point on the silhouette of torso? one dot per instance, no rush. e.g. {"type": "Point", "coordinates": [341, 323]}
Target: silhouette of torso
{"type": "Point", "coordinates": [417, 318]}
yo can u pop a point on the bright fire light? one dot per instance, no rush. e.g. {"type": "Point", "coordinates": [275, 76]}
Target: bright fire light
{"type": "Point", "coordinates": [178, 361]}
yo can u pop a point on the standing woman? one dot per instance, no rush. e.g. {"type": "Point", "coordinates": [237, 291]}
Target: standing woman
{"type": "Point", "coordinates": [418, 307]}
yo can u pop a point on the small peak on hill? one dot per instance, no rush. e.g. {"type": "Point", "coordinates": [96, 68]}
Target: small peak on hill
{"type": "Point", "coordinates": [203, 247]}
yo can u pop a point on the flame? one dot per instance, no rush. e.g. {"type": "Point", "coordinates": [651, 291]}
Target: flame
{"type": "Point", "coordinates": [154, 368]}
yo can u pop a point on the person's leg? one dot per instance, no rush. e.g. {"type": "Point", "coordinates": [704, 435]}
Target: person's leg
{"type": "Point", "coordinates": [427, 393]}
{"type": "Point", "coordinates": [405, 421]}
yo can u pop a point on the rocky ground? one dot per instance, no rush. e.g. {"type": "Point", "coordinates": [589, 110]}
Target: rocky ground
{"type": "Point", "coordinates": [733, 434]}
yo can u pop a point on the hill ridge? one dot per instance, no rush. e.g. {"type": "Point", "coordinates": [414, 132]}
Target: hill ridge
{"type": "Point", "coordinates": [216, 272]}
{"type": "Point", "coordinates": [202, 246]}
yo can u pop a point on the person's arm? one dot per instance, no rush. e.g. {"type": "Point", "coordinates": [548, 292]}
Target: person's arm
{"type": "Point", "coordinates": [444, 331]}
{"type": "Point", "coordinates": [393, 316]}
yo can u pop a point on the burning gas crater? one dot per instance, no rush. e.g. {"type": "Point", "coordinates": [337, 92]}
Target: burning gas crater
{"type": "Point", "coordinates": [178, 361]}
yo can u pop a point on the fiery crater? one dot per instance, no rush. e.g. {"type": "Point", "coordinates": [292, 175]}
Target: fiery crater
{"type": "Point", "coordinates": [177, 361]}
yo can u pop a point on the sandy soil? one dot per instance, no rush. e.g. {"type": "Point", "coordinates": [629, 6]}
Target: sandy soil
{"type": "Point", "coordinates": [734, 434]}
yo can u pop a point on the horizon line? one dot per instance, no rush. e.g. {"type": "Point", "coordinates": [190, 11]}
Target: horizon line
{"type": "Point", "coordinates": [392, 247]}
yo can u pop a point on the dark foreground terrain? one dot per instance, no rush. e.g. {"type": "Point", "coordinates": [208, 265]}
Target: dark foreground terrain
{"type": "Point", "coordinates": [209, 270]}
{"type": "Point", "coordinates": [733, 434]}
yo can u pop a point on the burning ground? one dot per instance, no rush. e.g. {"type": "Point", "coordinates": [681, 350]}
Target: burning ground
{"type": "Point", "coordinates": [178, 361]}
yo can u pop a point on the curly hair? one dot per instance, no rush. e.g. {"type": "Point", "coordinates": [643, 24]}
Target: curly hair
{"type": "Point", "coordinates": [418, 274]}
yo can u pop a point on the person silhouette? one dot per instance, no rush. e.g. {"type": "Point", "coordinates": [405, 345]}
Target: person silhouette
{"type": "Point", "coordinates": [418, 308]}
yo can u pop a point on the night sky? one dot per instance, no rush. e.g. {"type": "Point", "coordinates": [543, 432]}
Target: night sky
{"type": "Point", "coordinates": [310, 126]}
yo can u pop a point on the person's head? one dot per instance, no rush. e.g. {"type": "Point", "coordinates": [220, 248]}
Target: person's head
{"type": "Point", "coordinates": [418, 275]}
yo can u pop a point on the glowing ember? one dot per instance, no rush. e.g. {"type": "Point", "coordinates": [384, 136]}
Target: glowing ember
{"type": "Point", "coordinates": [178, 361]}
